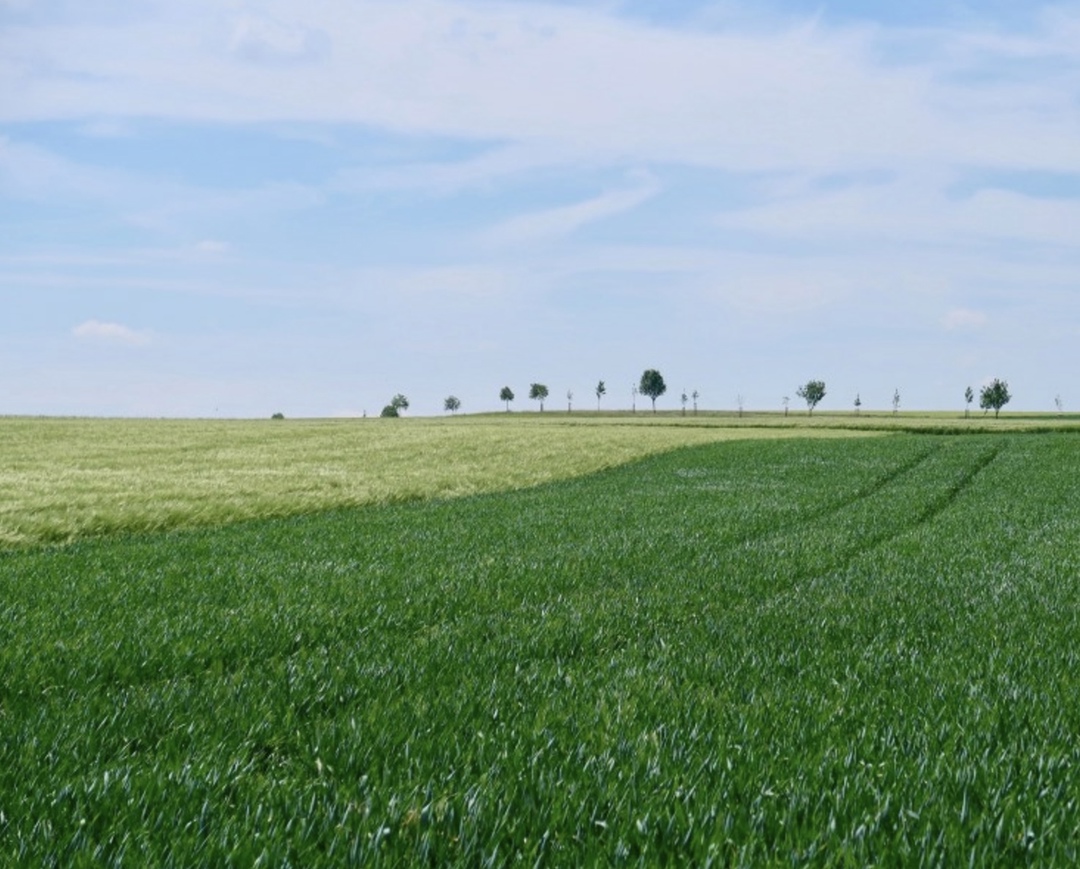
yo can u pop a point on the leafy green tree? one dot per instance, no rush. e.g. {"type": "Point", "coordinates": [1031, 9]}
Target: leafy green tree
{"type": "Point", "coordinates": [452, 403]}
{"type": "Point", "coordinates": [399, 402]}
{"type": "Point", "coordinates": [994, 396]}
{"type": "Point", "coordinates": [684, 398]}
{"type": "Point", "coordinates": [601, 391]}
{"type": "Point", "coordinates": [811, 392]}
{"type": "Point", "coordinates": [858, 402]}
{"type": "Point", "coordinates": [390, 412]}
{"type": "Point", "coordinates": [538, 392]}
{"type": "Point", "coordinates": [278, 415]}
{"type": "Point", "coordinates": [652, 384]}
{"type": "Point", "coordinates": [507, 395]}
{"type": "Point", "coordinates": [969, 396]}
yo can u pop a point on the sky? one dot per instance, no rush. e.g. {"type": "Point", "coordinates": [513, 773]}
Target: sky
{"type": "Point", "coordinates": [220, 208]}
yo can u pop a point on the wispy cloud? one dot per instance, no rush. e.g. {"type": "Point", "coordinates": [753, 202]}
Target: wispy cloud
{"type": "Point", "coordinates": [964, 319]}
{"type": "Point", "coordinates": [557, 222]}
{"type": "Point", "coordinates": [260, 39]}
{"type": "Point", "coordinates": [583, 81]}
{"type": "Point", "coordinates": [110, 333]}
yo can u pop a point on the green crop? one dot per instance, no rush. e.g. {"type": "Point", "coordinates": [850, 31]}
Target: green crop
{"type": "Point", "coordinates": [792, 652]}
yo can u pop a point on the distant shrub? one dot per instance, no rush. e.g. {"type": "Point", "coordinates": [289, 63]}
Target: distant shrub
{"type": "Point", "coordinates": [278, 415]}
{"type": "Point", "coordinates": [390, 411]}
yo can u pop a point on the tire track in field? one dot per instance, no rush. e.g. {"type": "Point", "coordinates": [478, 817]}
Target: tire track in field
{"type": "Point", "coordinates": [823, 544]}
{"type": "Point", "coordinates": [934, 507]}
{"type": "Point", "coordinates": [833, 508]}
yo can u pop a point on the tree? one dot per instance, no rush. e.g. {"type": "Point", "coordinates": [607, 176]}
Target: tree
{"type": "Point", "coordinates": [787, 401]}
{"type": "Point", "coordinates": [601, 391]}
{"type": "Point", "coordinates": [969, 396]}
{"type": "Point", "coordinates": [739, 403]}
{"type": "Point", "coordinates": [994, 396]}
{"type": "Point", "coordinates": [538, 392]}
{"type": "Point", "coordinates": [507, 395]}
{"type": "Point", "coordinates": [1057, 403]}
{"type": "Point", "coordinates": [278, 415]}
{"type": "Point", "coordinates": [811, 392]}
{"type": "Point", "coordinates": [858, 402]}
{"type": "Point", "coordinates": [684, 398]}
{"type": "Point", "coordinates": [695, 395]}
{"type": "Point", "coordinates": [452, 403]}
{"type": "Point", "coordinates": [399, 402]}
{"type": "Point", "coordinates": [569, 400]}
{"type": "Point", "coordinates": [633, 398]}
{"type": "Point", "coordinates": [895, 400]}
{"type": "Point", "coordinates": [652, 384]}
{"type": "Point", "coordinates": [390, 412]}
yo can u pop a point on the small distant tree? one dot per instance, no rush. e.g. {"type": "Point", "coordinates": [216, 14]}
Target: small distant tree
{"type": "Point", "coordinates": [684, 398]}
{"type": "Point", "coordinates": [538, 392]}
{"type": "Point", "coordinates": [994, 396]}
{"type": "Point", "coordinates": [739, 403]}
{"type": "Point", "coordinates": [569, 401]}
{"type": "Point", "coordinates": [1058, 404]}
{"type": "Point", "coordinates": [969, 396]}
{"type": "Point", "coordinates": [278, 415]}
{"type": "Point", "coordinates": [811, 392]}
{"type": "Point", "coordinates": [601, 391]}
{"type": "Point", "coordinates": [507, 395]}
{"type": "Point", "coordinates": [452, 403]}
{"type": "Point", "coordinates": [399, 402]}
{"type": "Point", "coordinates": [858, 403]}
{"type": "Point", "coordinates": [390, 412]}
{"type": "Point", "coordinates": [633, 398]}
{"type": "Point", "coordinates": [787, 401]}
{"type": "Point", "coordinates": [652, 384]}
{"type": "Point", "coordinates": [895, 400]}
{"type": "Point", "coordinates": [695, 395]}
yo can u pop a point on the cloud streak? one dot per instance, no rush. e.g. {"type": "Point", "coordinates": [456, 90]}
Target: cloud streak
{"type": "Point", "coordinates": [554, 223]}
{"type": "Point", "coordinates": [100, 332]}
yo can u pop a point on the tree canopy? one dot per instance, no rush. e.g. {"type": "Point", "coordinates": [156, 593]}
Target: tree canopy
{"type": "Point", "coordinates": [994, 396]}
{"type": "Point", "coordinates": [538, 392]}
{"type": "Point", "coordinates": [452, 403]}
{"type": "Point", "coordinates": [506, 394]}
{"type": "Point", "coordinates": [652, 384]}
{"type": "Point", "coordinates": [811, 392]}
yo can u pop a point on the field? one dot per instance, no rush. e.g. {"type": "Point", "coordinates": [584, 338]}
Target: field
{"type": "Point", "coordinates": [67, 479]}
{"type": "Point", "coordinates": [781, 650]}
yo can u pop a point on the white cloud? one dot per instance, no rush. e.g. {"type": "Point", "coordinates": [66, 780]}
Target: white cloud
{"type": "Point", "coordinates": [914, 207]}
{"type": "Point", "coordinates": [964, 319]}
{"type": "Point", "coordinates": [564, 220]}
{"type": "Point", "coordinates": [581, 81]}
{"type": "Point", "coordinates": [210, 247]}
{"type": "Point", "coordinates": [110, 333]}
{"type": "Point", "coordinates": [259, 39]}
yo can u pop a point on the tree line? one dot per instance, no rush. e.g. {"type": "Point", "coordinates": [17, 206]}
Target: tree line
{"type": "Point", "coordinates": [993, 396]}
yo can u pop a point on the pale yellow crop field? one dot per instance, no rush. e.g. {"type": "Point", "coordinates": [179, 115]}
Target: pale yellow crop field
{"type": "Point", "coordinates": [63, 479]}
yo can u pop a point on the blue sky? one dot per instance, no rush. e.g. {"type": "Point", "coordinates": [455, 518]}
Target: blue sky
{"type": "Point", "coordinates": [226, 208]}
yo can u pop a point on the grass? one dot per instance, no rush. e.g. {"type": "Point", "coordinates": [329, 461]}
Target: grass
{"type": "Point", "coordinates": [795, 652]}
{"type": "Point", "coordinates": [65, 479]}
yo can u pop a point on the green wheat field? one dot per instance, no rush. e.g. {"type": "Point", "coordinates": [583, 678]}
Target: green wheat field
{"type": "Point", "coordinates": [540, 640]}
